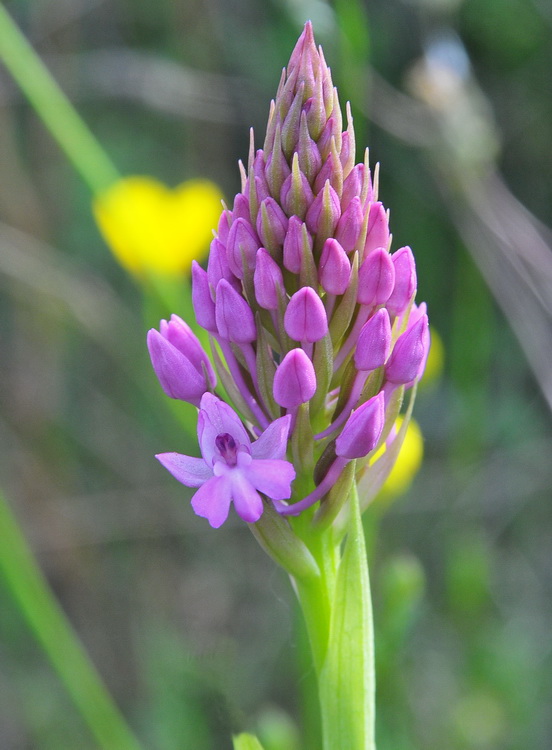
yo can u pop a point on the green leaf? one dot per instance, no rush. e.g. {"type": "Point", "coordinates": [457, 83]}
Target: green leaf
{"type": "Point", "coordinates": [53, 631]}
{"type": "Point", "coordinates": [246, 742]}
{"type": "Point", "coordinates": [347, 681]}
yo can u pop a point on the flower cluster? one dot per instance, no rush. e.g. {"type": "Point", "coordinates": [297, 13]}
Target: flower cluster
{"type": "Point", "coordinates": [314, 329]}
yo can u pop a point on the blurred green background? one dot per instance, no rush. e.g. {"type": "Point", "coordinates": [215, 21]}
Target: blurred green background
{"type": "Point", "coordinates": [192, 629]}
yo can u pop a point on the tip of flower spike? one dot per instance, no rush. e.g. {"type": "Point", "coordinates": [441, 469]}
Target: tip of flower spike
{"type": "Point", "coordinates": [304, 43]}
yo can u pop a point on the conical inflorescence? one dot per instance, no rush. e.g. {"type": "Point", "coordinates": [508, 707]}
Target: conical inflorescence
{"type": "Point", "coordinates": [315, 332]}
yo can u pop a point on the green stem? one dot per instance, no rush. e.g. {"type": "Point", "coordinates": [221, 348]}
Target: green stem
{"type": "Point", "coordinates": [316, 595]}
{"type": "Point", "coordinates": [338, 615]}
{"type": "Point", "coordinates": [53, 107]}
{"type": "Point", "coordinates": [54, 632]}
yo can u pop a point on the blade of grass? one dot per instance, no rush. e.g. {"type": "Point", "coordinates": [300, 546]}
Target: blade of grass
{"type": "Point", "coordinates": [53, 631]}
{"type": "Point", "coordinates": [53, 107]}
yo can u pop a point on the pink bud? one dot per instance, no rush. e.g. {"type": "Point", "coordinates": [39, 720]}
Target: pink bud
{"type": "Point", "coordinates": [179, 364]}
{"type": "Point", "coordinates": [324, 211]}
{"type": "Point", "coordinates": [376, 278]}
{"type": "Point", "coordinates": [272, 224]}
{"type": "Point", "coordinates": [240, 209]}
{"type": "Point", "coordinates": [352, 185]}
{"type": "Point", "coordinates": [334, 270]}
{"type": "Point", "coordinates": [224, 225]}
{"type": "Point", "coordinates": [268, 280]}
{"type": "Point", "coordinates": [305, 317]}
{"type": "Point", "coordinates": [235, 321]}
{"type": "Point", "coordinates": [294, 380]}
{"type": "Point", "coordinates": [204, 307]}
{"type": "Point", "coordinates": [417, 312]}
{"type": "Point", "coordinates": [405, 280]}
{"type": "Point", "coordinates": [374, 342]}
{"type": "Point", "coordinates": [349, 225]}
{"type": "Point", "coordinates": [277, 168]}
{"type": "Point", "coordinates": [293, 245]}
{"type": "Point", "coordinates": [331, 171]}
{"type": "Point", "coordinates": [325, 138]}
{"type": "Point", "coordinates": [362, 430]}
{"type": "Point", "coordinates": [345, 156]}
{"type": "Point", "coordinates": [241, 247]}
{"type": "Point", "coordinates": [296, 194]}
{"type": "Point", "coordinates": [310, 160]}
{"type": "Point", "coordinates": [291, 123]}
{"type": "Point", "coordinates": [217, 265]}
{"type": "Point", "coordinates": [378, 229]}
{"type": "Point", "coordinates": [261, 184]}
{"type": "Point", "coordinates": [408, 353]}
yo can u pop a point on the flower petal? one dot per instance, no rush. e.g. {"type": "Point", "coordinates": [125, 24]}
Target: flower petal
{"type": "Point", "coordinates": [212, 501]}
{"type": "Point", "coordinates": [217, 418]}
{"type": "Point", "coordinates": [247, 501]}
{"type": "Point", "coordinates": [273, 442]}
{"type": "Point", "coordinates": [193, 472]}
{"type": "Point", "coordinates": [271, 477]}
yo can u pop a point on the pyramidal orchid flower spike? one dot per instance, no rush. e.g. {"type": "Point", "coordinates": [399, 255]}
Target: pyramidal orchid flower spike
{"type": "Point", "coordinates": [316, 339]}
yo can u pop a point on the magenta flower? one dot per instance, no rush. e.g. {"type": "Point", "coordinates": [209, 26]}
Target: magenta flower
{"type": "Point", "coordinates": [233, 469]}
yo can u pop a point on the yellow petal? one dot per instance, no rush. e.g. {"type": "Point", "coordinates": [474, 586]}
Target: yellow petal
{"type": "Point", "coordinates": [408, 461]}
{"type": "Point", "coordinates": [153, 229]}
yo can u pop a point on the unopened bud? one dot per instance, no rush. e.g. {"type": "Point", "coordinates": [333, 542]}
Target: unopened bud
{"type": "Point", "coordinates": [349, 225]}
{"type": "Point", "coordinates": [179, 361]}
{"type": "Point", "coordinates": [242, 245]}
{"type": "Point", "coordinates": [293, 245]}
{"type": "Point", "coordinates": [362, 430]}
{"type": "Point", "coordinates": [305, 317]}
{"type": "Point", "coordinates": [294, 380]}
{"type": "Point", "coordinates": [272, 225]}
{"type": "Point", "coordinates": [235, 321]}
{"type": "Point", "coordinates": [374, 342]}
{"type": "Point", "coordinates": [405, 280]}
{"type": "Point", "coordinates": [324, 212]}
{"type": "Point", "coordinates": [408, 353]}
{"type": "Point", "coordinates": [376, 278]}
{"type": "Point", "coordinates": [268, 280]}
{"type": "Point", "coordinates": [334, 269]}
{"type": "Point", "coordinates": [204, 307]}
{"type": "Point", "coordinates": [378, 229]}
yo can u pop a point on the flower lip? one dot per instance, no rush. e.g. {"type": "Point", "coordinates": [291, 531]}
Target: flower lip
{"type": "Point", "coordinates": [227, 447]}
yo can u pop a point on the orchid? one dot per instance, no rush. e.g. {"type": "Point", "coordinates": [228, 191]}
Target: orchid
{"type": "Point", "coordinates": [316, 339]}
{"type": "Point", "coordinates": [233, 468]}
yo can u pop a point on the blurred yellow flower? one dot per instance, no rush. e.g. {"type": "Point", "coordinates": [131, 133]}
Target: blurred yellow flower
{"type": "Point", "coordinates": [153, 229]}
{"type": "Point", "coordinates": [408, 461]}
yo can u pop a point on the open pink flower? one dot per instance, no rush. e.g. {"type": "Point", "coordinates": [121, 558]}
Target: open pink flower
{"type": "Point", "coordinates": [233, 468]}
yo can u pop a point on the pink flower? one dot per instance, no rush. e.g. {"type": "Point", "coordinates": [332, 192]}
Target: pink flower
{"type": "Point", "coordinates": [233, 469]}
